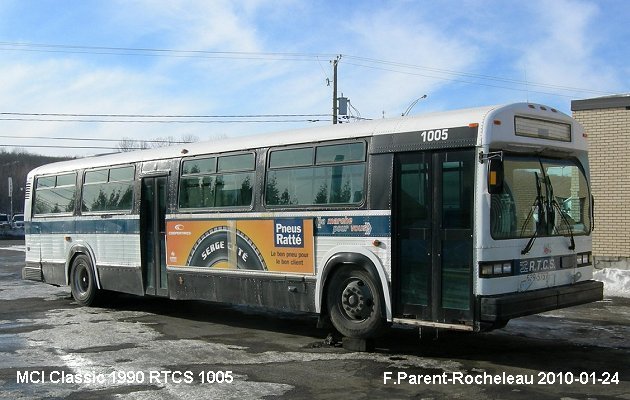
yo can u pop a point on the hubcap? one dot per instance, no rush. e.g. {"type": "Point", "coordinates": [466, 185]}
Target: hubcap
{"type": "Point", "coordinates": [357, 300]}
{"type": "Point", "coordinates": [83, 280]}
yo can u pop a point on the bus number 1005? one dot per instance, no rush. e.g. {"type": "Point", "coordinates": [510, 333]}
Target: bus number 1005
{"type": "Point", "coordinates": [434, 135]}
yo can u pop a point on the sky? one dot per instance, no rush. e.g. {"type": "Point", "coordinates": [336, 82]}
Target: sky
{"type": "Point", "coordinates": [203, 69]}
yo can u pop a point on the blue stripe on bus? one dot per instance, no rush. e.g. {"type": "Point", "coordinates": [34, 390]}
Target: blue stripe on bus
{"type": "Point", "coordinates": [344, 226]}
{"type": "Point", "coordinates": [108, 226]}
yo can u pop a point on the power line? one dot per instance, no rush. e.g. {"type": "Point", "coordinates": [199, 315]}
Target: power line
{"type": "Point", "coordinates": [163, 115]}
{"type": "Point", "coordinates": [60, 147]}
{"type": "Point", "coordinates": [467, 74]}
{"type": "Point", "coordinates": [89, 139]}
{"type": "Point", "coordinates": [161, 119]}
{"type": "Point", "coordinates": [164, 121]}
{"type": "Point", "coordinates": [519, 89]}
{"type": "Point", "coordinates": [288, 56]}
{"type": "Point", "coordinates": [155, 52]}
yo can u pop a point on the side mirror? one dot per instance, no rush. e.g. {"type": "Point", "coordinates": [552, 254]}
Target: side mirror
{"type": "Point", "coordinates": [495, 176]}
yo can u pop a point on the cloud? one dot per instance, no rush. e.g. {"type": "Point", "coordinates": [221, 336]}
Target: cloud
{"type": "Point", "coordinates": [564, 42]}
{"type": "Point", "coordinates": [563, 48]}
{"type": "Point", "coordinates": [397, 35]}
{"type": "Point", "coordinates": [193, 25]}
{"type": "Point", "coordinates": [66, 86]}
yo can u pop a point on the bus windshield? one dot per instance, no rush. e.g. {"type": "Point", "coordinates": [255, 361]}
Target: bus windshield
{"type": "Point", "coordinates": [540, 196]}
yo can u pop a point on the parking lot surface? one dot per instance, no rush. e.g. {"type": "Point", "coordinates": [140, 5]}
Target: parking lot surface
{"type": "Point", "coordinates": [143, 348]}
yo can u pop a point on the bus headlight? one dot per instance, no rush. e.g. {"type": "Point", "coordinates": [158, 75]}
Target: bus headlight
{"type": "Point", "coordinates": [495, 269]}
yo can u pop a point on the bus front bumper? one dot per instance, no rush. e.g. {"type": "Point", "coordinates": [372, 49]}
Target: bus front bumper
{"type": "Point", "coordinates": [500, 308]}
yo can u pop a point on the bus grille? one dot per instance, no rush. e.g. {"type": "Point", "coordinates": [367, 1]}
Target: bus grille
{"type": "Point", "coordinates": [27, 191]}
{"type": "Point", "coordinates": [32, 274]}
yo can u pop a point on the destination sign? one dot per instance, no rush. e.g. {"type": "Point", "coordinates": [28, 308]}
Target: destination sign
{"type": "Point", "coordinates": [439, 137]}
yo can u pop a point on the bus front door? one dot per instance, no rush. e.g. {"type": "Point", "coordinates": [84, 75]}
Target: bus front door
{"type": "Point", "coordinates": [433, 216]}
{"type": "Point", "coordinates": [153, 234]}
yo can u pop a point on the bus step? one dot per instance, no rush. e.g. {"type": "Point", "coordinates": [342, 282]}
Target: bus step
{"type": "Point", "coordinates": [440, 325]}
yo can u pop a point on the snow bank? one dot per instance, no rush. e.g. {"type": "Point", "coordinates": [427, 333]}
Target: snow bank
{"type": "Point", "coordinates": [616, 281]}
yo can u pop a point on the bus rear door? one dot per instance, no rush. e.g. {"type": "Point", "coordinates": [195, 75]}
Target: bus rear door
{"type": "Point", "coordinates": [152, 234]}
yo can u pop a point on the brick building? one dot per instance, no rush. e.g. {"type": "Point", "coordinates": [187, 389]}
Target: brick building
{"type": "Point", "coordinates": [606, 120]}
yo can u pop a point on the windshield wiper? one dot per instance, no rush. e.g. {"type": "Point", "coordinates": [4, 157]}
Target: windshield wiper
{"type": "Point", "coordinates": [556, 206]}
{"type": "Point", "coordinates": [566, 221]}
{"type": "Point", "coordinates": [538, 204]}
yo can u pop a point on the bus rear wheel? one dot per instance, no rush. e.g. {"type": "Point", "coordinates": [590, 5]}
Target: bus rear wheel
{"type": "Point", "coordinates": [82, 281]}
{"type": "Point", "coordinates": [355, 304]}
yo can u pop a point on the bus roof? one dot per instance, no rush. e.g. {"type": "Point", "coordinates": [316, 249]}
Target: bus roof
{"type": "Point", "coordinates": [435, 120]}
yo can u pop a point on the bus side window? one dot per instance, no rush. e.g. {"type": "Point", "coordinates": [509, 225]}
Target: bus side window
{"type": "Point", "coordinates": [55, 194]}
{"type": "Point", "coordinates": [335, 175]}
{"type": "Point", "coordinates": [109, 189]}
{"type": "Point", "coordinates": [213, 182]}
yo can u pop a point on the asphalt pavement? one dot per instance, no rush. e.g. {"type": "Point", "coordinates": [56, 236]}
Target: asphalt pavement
{"type": "Point", "coordinates": [143, 348]}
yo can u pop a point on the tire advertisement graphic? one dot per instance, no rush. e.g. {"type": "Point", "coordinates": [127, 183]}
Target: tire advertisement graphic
{"type": "Point", "coordinates": [275, 245]}
{"type": "Point", "coordinates": [212, 249]}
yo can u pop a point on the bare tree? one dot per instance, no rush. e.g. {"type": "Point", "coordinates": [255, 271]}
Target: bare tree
{"type": "Point", "coordinates": [128, 144]}
{"type": "Point", "coordinates": [162, 142]}
{"type": "Point", "coordinates": [190, 138]}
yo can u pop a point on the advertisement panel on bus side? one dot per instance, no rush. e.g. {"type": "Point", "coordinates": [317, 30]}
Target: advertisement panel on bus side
{"type": "Point", "coordinates": [276, 245]}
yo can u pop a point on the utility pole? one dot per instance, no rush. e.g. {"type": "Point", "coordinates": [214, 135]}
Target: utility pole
{"type": "Point", "coordinates": [334, 96]}
{"type": "Point", "coordinates": [11, 198]}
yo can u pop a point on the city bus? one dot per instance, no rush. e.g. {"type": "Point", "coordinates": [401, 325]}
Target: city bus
{"type": "Point", "coordinates": [458, 220]}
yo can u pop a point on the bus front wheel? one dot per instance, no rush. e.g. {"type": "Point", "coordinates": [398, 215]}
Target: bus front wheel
{"type": "Point", "coordinates": [83, 283]}
{"type": "Point", "coordinates": [355, 304]}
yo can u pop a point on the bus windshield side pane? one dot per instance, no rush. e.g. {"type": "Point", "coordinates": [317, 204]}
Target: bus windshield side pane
{"type": "Point", "coordinates": [571, 195]}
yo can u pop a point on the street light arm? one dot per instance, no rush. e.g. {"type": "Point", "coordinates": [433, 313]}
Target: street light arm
{"type": "Point", "coordinates": [412, 105]}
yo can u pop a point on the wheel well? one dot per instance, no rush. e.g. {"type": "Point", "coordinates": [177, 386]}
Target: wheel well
{"type": "Point", "coordinates": [347, 260]}
{"type": "Point", "coordinates": [81, 251]}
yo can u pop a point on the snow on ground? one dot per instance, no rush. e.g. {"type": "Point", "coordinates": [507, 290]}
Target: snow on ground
{"type": "Point", "coordinates": [616, 281]}
{"type": "Point", "coordinates": [16, 247]}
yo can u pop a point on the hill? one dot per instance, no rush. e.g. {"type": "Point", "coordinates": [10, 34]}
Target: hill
{"type": "Point", "coordinates": [17, 165]}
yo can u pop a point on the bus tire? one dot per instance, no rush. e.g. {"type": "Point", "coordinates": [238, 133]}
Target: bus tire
{"type": "Point", "coordinates": [355, 304]}
{"type": "Point", "coordinates": [82, 281]}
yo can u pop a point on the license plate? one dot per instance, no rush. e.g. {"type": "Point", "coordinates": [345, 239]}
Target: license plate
{"type": "Point", "coordinates": [538, 277]}
{"type": "Point", "coordinates": [534, 281]}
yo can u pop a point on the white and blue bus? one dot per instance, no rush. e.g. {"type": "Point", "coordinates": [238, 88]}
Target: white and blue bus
{"type": "Point", "coordinates": [453, 220]}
